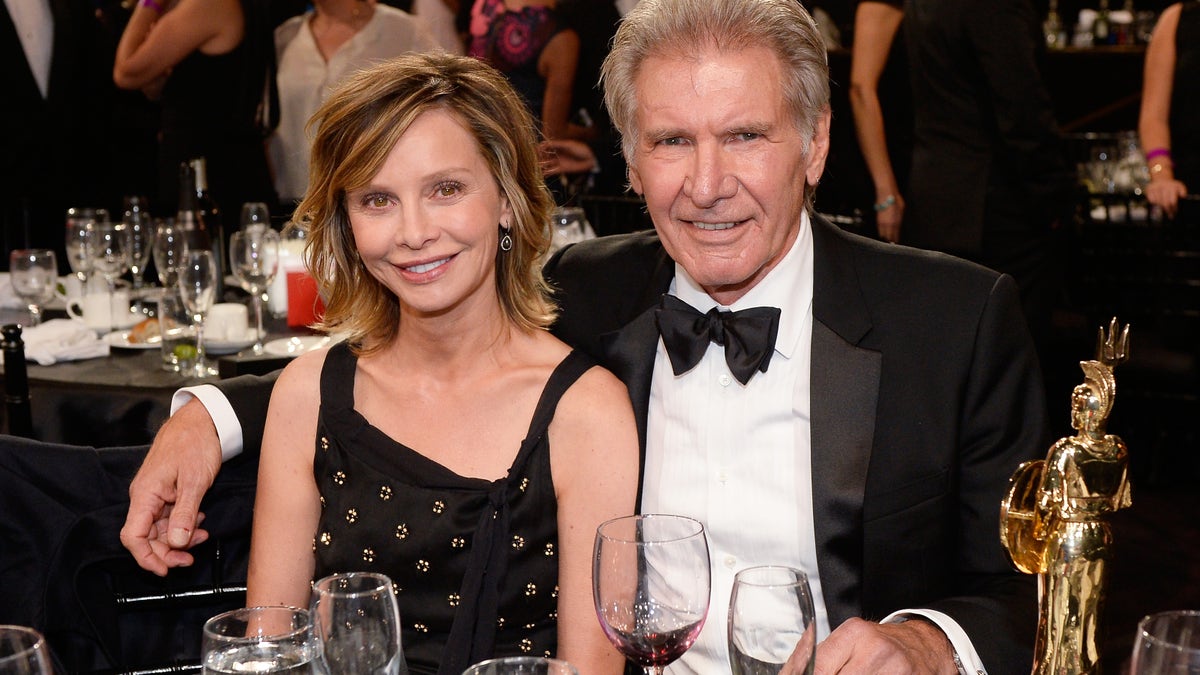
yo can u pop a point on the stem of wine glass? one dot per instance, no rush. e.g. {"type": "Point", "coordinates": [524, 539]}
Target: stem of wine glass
{"type": "Point", "coordinates": [654, 670]}
{"type": "Point", "coordinates": [35, 314]}
{"type": "Point", "coordinates": [258, 330]}
{"type": "Point", "coordinates": [200, 369]}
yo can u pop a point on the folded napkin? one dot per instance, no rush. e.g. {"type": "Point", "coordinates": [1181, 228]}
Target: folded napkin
{"type": "Point", "coordinates": [62, 340]}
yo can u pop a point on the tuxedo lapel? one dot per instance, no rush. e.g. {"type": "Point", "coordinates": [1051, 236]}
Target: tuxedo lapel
{"type": "Point", "coordinates": [844, 391]}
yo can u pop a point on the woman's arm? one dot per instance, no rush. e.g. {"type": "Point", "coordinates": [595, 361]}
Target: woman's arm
{"type": "Point", "coordinates": [1153, 127]}
{"type": "Point", "coordinates": [160, 33]}
{"type": "Point", "coordinates": [556, 65]}
{"type": "Point", "coordinates": [287, 505]}
{"type": "Point", "coordinates": [875, 26]}
{"type": "Point", "coordinates": [594, 459]}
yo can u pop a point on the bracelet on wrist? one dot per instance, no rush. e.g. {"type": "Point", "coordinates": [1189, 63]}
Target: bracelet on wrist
{"type": "Point", "coordinates": [1158, 152]}
{"type": "Point", "coordinates": [887, 203]}
{"type": "Point", "coordinates": [152, 4]}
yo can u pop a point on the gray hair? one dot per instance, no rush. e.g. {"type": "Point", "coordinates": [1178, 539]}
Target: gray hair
{"type": "Point", "coordinates": [687, 28]}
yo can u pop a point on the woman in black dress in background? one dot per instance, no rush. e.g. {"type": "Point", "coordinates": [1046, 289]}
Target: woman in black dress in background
{"type": "Point", "coordinates": [210, 62]}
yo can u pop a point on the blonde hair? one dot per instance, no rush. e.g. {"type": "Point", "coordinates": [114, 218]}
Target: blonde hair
{"type": "Point", "coordinates": [355, 130]}
{"type": "Point", "coordinates": [686, 28]}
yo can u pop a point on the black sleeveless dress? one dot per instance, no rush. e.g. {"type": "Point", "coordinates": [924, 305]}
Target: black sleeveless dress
{"type": "Point", "coordinates": [474, 562]}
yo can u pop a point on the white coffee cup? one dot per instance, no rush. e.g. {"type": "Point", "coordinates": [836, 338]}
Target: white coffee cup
{"type": "Point", "coordinates": [227, 322]}
{"type": "Point", "coordinates": [101, 311]}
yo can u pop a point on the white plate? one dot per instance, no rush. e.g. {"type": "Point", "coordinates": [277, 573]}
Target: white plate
{"type": "Point", "coordinates": [120, 340]}
{"type": "Point", "coordinates": [219, 347]}
{"type": "Point", "coordinates": [295, 346]}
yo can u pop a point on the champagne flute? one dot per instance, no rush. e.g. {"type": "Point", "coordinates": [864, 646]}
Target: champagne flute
{"type": "Point", "coordinates": [139, 230]}
{"type": "Point", "coordinates": [260, 640]}
{"type": "Point", "coordinates": [169, 244]}
{"type": "Point", "coordinates": [522, 665]}
{"type": "Point", "coordinates": [197, 289]}
{"type": "Point", "coordinates": [651, 584]}
{"type": "Point", "coordinates": [34, 274]}
{"type": "Point", "coordinates": [23, 651]}
{"type": "Point", "coordinates": [1167, 643]}
{"type": "Point", "coordinates": [81, 223]}
{"type": "Point", "coordinates": [357, 621]}
{"type": "Point", "coordinates": [254, 261]}
{"type": "Point", "coordinates": [771, 621]}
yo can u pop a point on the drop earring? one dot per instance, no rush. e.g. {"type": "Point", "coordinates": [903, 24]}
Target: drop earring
{"type": "Point", "coordinates": [506, 242]}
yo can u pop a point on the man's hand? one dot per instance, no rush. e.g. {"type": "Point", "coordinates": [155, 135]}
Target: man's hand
{"type": "Point", "coordinates": [858, 646]}
{"type": "Point", "coordinates": [164, 497]}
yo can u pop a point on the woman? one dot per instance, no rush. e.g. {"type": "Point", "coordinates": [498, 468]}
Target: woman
{"type": "Point", "coordinates": [315, 51]}
{"type": "Point", "coordinates": [1167, 122]}
{"type": "Point", "coordinates": [526, 41]}
{"type": "Point", "coordinates": [875, 26]}
{"type": "Point", "coordinates": [427, 217]}
{"type": "Point", "coordinates": [210, 62]}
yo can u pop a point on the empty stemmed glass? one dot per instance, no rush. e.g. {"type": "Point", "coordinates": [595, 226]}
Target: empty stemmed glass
{"type": "Point", "coordinates": [34, 274]}
{"type": "Point", "coordinates": [771, 621]}
{"type": "Point", "coordinates": [81, 223]}
{"type": "Point", "coordinates": [1167, 642]}
{"type": "Point", "coordinates": [110, 251]}
{"type": "Point", "coordinates": [651, 582]}
{"type": "Point", "coordinates": [198, 290]}
{"type": "Point", "coordinates": [139, 231]}
{"type": "Point", "coordinates": [169, 245]}
{"type": "Point", "coordinates": [357, 620]}
{"type": "Point", "coordinates": [23, 651]}
{"type": "Point", "coordinates": [254, 261]}
{"type": "Point", "coordinates": [522, 665]}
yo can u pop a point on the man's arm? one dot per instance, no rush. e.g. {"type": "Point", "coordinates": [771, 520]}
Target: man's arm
{"type": "Point", "coordinates": [164, 497]}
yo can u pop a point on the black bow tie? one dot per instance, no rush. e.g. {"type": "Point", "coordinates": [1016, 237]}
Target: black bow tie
{"type": "Point", "coordinates": [748, 336]}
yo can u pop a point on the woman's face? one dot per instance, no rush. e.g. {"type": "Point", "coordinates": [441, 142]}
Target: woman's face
{"type": "Point", "coordinates": [426, 224]}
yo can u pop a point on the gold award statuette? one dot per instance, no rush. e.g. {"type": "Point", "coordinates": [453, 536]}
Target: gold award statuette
{"type": "Point", "coordinates": [1053, 519]}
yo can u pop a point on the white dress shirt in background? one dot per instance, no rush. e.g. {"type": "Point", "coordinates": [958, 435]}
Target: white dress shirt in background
{"type": "Point", "coordinates": [305, 79]}
{"type": "Point", "coordinates": [35, 28]}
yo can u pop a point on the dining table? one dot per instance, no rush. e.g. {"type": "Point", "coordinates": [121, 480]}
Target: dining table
{"type": "Point", "coordinates": [123, 398]}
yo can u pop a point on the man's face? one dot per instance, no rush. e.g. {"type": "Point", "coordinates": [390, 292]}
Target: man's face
{"type": "Point", "coordinates": [722, 165]}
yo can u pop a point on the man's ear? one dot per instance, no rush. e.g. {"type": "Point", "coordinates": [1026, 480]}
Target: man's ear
{"type": "Point", "coordinates": [635, 179]}
{"type": "Point", "coordinates": [818, 149]}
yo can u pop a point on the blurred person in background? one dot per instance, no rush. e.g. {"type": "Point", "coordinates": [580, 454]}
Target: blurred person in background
{"type": "Point", "coordinates": [210, 64]}
{"type": "Point", "coordinates": [1169, 122]}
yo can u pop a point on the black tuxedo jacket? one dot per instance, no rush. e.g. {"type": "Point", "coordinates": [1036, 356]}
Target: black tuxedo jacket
{"type": "Point", "coordinates": [926, 396]}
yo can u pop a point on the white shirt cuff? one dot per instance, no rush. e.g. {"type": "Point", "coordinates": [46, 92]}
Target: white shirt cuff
{"type": "Point", "coordinates": [965, 657]}
{"type": "Point", "coordinates": [229, 430]}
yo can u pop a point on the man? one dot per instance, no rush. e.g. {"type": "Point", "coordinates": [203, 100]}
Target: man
{"type": "Point", "coordinates": [870, 445]}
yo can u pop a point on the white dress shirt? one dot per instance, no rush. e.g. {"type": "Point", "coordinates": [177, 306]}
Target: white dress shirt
{"type": "Point", "coordinates": [305, 79]}
{"type": "Point", "coordinates": [35, 28]}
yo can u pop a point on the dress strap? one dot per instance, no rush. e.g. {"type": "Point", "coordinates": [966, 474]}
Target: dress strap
{"type": "Point", "coordinates": [337, 377]}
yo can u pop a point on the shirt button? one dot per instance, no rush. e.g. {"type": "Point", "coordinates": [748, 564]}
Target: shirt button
{"type": "Point", "coordinates": [730, 561]}
{"type": "Point", "coordinates": [724, 380]}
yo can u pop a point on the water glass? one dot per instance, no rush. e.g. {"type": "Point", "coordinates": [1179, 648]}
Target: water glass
{"type": "Point", "coordinates": [23, 651]}
{"type": "Point", "coordinates": [260, 640]}
{"type": "Point", "coordinates": [78, 238]}
{"type": "Point", "coordinates": [168, 247]}
{"type": "Point", "coordinates": [771, 621]}
{"type": "Point", "coordinates": [34, 274]}
{"type": "Point", "coordinates": [357, 620]}
{"type": "Point", "coordinates": [198, 279]}
{"type": "Point", "coordinates": [178, 335]}
{"type": "Point", "coordinates": [522, 665]}
{"type": "Point", "coordinates": [1167, 643]}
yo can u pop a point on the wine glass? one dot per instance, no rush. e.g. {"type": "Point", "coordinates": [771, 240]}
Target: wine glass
{"type": "Point", "coordinates": [771, 621]}
{"type": "Point", "coordinates": [254, 261]}
{"type": "Point", "coordinates": [81, 223]}
{"type": "Point", "coordinates": [522, 665]}
{"type": "Point", "coordinates": [357, 621]}
{"type": "Point", "coordinates": [110, 249]}
{"type": "Point", "coordinates": [650, 582]}
{"type": "Point", "coordinates": [23, 651]}
{"type": "Point", "coordinates": [1167, 643]}
{"type": "Point", "coordinates": [259, 640]}
{"type": "Point", "coordinates": [169, 244]}
{"type": "Point", "coordinates": [198, 289]}
{"type": "Point", "coordinates": [255, 214]}
{"type": "Point", "coordinates": [139, 230]}
{"type": "Point", "coordinates": [34, 274]}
